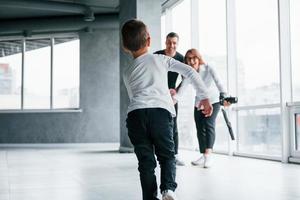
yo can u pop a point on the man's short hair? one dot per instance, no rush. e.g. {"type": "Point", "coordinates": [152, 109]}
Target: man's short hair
{"type": "Point", "coordinates": [172, 35]}
{"type": "Point", "coordinates": [134, 34]}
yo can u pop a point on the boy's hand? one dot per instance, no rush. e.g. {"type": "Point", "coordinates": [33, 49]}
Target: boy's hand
{"type": "Point", "coordinates": [206, 107]}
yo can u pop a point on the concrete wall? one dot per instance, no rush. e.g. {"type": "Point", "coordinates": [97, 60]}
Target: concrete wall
{"type": "Point", "coordinates": [149, 12]}
{"type": "Point", "coordinates": [99, 120]}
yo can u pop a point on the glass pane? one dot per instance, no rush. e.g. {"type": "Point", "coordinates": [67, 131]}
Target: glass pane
{"type": "Point", "coordinates": [10, 74]}
{"type": "Point", "coordinates": [37, 74]}
{"type": "Point", "coordinates": [297, 132]}
{"type": "Point", "coordinates": [295, 47]}
{"type": "Point", "coordinates": [66, 73]}
{"type": "Point", "coordinates": [259, 131]}
{"type": "Point", "coordinates": [214, 51]}
{"type": "Point", "coordinates": [257, 51]}
{"type": "Point", "coordinates": [213, 48]}
{"type": "Point", "coordinates": [181, 21]}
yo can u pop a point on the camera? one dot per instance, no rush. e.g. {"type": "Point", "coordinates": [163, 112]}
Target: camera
{"type": "Point", "coordinates": [229, 99]}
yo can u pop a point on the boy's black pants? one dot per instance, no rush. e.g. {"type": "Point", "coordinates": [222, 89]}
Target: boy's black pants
{"type": "Point", "coordinates": [150, 131]}
{"type": "Point", "coordinates": [206, 127]}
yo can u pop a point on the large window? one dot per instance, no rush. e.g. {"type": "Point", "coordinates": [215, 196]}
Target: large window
{"type": "Point", "coordinates": [46, 76]}
{"type": "Point", "coordinates": [295, 47]}
{"type": "Point", "coordinates": [256, 34]}
{"type": "Point", "coordinates": [10, 74]}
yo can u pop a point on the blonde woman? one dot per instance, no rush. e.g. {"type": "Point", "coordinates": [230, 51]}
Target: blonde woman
{"type": "Point", "coordinates": [205, 125]}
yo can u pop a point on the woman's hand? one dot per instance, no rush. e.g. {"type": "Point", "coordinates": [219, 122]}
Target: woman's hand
{"type": "Point", "coordinates": [226, 103]}
{"type": "Point", "coordinates": [173, 93]}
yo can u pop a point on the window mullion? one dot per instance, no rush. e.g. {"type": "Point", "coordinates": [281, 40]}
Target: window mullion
{"type": "Point", "coordinates": [285, 74]}
{"type": "Point", "coordinates": [195, 23]}
{"type": "Point", "coordinates": [51, 73]}
{"type": "Point", "coordinates": [232, 67]}
{"type": "Point", "coordinates": [22, 73]}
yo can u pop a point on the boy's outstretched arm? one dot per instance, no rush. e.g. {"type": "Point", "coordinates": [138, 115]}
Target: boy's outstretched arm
{"type": "Point", "coordinates": [196, 81]}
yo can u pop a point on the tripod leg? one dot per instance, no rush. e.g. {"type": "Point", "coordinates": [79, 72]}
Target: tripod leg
{"type": "Point", "coordinates": [228, 124]}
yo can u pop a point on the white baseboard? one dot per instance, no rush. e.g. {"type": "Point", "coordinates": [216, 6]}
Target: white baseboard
{"type": "Point", "coordinates": [60, 145]}
{"type": "Point", "coordinates": [126, 149]}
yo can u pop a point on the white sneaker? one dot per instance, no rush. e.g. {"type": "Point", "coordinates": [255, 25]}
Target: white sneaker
{"type": "Point", "coordinates": [199, 161]}
{"type": "Point", "coordinates": [178, 161]}
{"type": "Point", "coordinates": [168, 195]}
{"type": "Point", "coordinates": [207, 162]}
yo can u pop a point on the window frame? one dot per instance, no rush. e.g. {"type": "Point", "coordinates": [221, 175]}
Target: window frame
{"type": "Point", "coordinates": [294, 108]}
{"type": "Point", "coordinates": [51, 37]}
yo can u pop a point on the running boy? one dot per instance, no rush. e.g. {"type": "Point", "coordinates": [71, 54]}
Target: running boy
{"type": "Point", "coordinates": [150, 111]}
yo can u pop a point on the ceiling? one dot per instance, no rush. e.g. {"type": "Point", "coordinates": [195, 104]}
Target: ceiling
{"type": "Point", "coordinates": [28, 9]}
{"type": "Point", "coordinates": [17, 9]}
{"type": "Point", "coordinates": [25, 9]}
{"type": "Point", "coordinates": [22, 9]}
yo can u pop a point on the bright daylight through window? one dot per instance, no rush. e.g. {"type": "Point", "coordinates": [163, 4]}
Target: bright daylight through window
{"type": "Point", "coordinates": [37, 77]}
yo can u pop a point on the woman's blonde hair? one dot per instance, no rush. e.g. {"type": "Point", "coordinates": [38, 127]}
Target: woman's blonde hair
{"type": "Point", "coordinates": [194, 52]}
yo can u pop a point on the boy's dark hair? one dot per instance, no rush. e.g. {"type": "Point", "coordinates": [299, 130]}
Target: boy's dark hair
{"type": "Point", "coordinates": [172, 35]}
{"type": "Point", "coordinates": [134, 34]}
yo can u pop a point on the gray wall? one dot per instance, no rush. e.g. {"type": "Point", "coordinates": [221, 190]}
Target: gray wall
{"type": "Point", "coordinates": [99, 120]}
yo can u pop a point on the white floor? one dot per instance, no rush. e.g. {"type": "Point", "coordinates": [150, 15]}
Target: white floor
{"type": "Point", "coordinates": [99, 172]}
